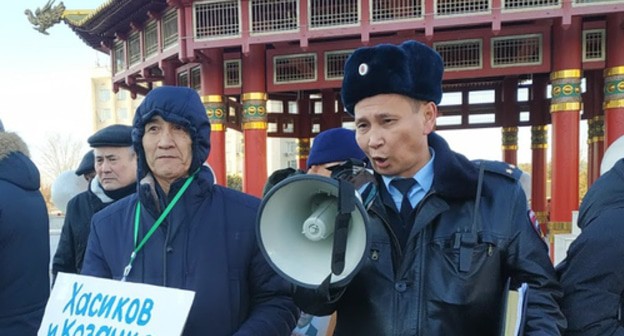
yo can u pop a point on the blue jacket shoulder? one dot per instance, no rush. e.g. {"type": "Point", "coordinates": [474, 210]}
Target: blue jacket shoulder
{"type": "Point", "coordinates": [501, 168]}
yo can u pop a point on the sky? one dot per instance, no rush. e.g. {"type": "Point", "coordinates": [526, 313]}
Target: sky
{"type": "Point", "coordinates": [46, 86]}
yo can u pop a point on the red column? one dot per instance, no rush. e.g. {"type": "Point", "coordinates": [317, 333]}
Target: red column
{"type": "Point", "coordinates": [597, 144]}
{"type": "Point", "coordinates": [510, 120]}
{"type": "Point", "coordinates": [592, 108]}
{"type": "Point", "coordinates": [539, 146]}
{"type": "Point", "coordinates": [304, 129]}
{"type": "Point", "coordinates": [254, 100]}
{"type": "Point", "coordinates": [510, 145]}
{"type": "Point", "coordinates": [565, 109]}
{"type": "Point", "coordinates": [303, 151]}
{"type": "Point", "coordinates": [539, 167]}
{"type": "Point", "coordinates": [212, 97]}
{"type": "Point", "coordinates": [614, 79]}
{"type": "Point", "coordinates": [169, 72]}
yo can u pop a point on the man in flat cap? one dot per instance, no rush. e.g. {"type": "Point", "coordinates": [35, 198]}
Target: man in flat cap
{"type": "Point", "coordinates": [190, 232]}
{"type": "Point", "coordinates": [115, 166]}
{"type": "Point", "coordinates": [447, 235]}
{"type": "Point", "coordinates": [86, 168]}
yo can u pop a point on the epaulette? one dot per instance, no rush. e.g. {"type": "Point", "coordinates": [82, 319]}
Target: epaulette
{"type": "Point", "coordinates": [501, 168]}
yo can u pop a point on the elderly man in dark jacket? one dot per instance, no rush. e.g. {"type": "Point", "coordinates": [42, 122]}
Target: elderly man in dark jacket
{"type": "Point", "coordinates": [592, 274]}
{"type": "Point", "coordinates": [114, 162]}
{"type": "Point", "coordinates": [181, 230]}
{"type": "Point", "coordinates": [24, 241]}
{"type": "Point", "coordinates": [446, 234]}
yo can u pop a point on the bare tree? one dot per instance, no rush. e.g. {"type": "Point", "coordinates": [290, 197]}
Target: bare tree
{"type": "Point", "coordinates": [58, 153]}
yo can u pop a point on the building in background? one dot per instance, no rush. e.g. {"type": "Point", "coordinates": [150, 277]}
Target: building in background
{"type": "Point", "coordinates": [110, 107]}
{"type": "Point", "coordinates": [118, 108]}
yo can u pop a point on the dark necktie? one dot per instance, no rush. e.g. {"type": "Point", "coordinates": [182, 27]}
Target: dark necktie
{"type": "Point", "coordinates": [404, 185]}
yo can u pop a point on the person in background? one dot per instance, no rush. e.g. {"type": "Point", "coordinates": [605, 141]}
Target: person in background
{"type": "Point", "coordinates": [447, 235]}
{"type": "Point", "coordinates": [592, 274]}
{"type": "Point", "coordinates": [204, 236]}
{"type": "Point", "coordinates": [330, 148]}
{"type": "Point", "coordinates": [86, 168]}
{"type": "Point", "coordinates": [24, 240]}
{"type": "Point", "coordinates": [304, 326]}
{"type": "Point", "coordinates": [114, 163]}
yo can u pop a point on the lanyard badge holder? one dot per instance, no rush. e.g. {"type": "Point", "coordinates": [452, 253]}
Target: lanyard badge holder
{"type": "Point", "coordinates": [151, 231]}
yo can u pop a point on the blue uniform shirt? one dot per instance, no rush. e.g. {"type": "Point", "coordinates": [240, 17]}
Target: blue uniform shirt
{"type": "Point", "coordinates": [424, 180]}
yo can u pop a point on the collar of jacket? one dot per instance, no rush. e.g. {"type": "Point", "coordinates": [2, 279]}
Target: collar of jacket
{"type": "Point", "coordinates": [152, 200]}
{"type": "Point", "coordinates": [96, 189]}
{"type": "Point", "coordinates": [10, 143]}
{"type": "Point", "coordinates": [454, 176]}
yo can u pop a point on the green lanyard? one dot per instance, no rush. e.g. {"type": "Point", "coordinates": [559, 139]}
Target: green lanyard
{"type": "Point", "coordinates": [160, 219]}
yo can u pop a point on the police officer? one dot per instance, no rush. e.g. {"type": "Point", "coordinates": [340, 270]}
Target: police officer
{"type": "Point", "coordinates": [446, 234]}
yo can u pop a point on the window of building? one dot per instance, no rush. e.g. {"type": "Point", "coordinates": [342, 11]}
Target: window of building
{"type": "Point", "coordinates": [150, 39]}
{"type": "Point", "coordinates": [134, 48]}
{"type": "Point", "coordinates": [170, 28]}
{"type": "Point", "coordinates": [122, 113]}
{"type": "Point", "coordinates": [103, 94]}
{"type": "Point", "coordinates": [119, 55]}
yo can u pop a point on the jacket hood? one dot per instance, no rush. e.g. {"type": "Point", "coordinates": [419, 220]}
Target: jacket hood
{"type": "Point", "coordinates": [15, 165]}
{"type": "Point", "coordinates": [606, 193]}
{"type": "Point", "coordinates": [179, 105]}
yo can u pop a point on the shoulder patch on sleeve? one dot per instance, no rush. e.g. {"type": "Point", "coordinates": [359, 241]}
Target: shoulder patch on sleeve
{"type": "Point", "coordinates": [501, 168]}
{"type": "Point", "coordinates": [539, 229]}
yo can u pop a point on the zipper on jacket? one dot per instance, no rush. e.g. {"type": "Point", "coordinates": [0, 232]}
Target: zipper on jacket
{"type": "Point", "coordinates": [165, 253]}
{"type": "Point", "coordinates": [421, 285]}
{"type": "Point", "coordinates": [395, 240]}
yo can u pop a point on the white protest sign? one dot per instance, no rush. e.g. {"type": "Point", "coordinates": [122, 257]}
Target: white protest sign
{"type": "Point", "coordinates": [84, 305]}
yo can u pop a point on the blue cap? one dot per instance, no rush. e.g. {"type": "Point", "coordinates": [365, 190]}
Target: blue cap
{"type": "Point", "coordinates": [334, 145]}
{"type": "Point", "coordinates": [410, 69]}
{"type": "Point", "coordinates": [112, 136]}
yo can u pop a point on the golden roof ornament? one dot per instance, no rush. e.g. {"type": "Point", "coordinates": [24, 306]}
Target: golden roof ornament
{"type": "Point", "coordinates": [46, 17]}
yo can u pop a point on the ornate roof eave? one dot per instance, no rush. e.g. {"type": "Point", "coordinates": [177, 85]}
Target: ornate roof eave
{"type": "Point", "coordinates": [98, 27]}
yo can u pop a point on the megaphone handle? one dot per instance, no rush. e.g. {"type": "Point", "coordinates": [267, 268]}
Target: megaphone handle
{"type": "Point", "coordinates": [346, 204]}
{"type": "Point", "coordinates": [340, 243]}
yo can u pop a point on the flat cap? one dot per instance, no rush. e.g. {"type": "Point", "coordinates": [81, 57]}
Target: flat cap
{"type": "Point", "coordinates": [112, 136]}
{"type": "Point", "coordinates": [86, 164]}
{"type": "Point", "coordinates": [411, 69]}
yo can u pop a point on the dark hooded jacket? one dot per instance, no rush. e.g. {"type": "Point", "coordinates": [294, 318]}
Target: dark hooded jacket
{"type": "Point", "coordinates": [24, 241]}
{"type": "Point", "coordinates": [592, 274]}
{"type": "Point", "coordinates": [75, 233]}
{"type": "Point", "coordinates": [449, 276]}
{"type": "Point", "coordinates": [207, 243]}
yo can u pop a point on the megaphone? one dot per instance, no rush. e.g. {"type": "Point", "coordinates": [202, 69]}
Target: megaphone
{"type": "Point", "coordinates": [297, 232]}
